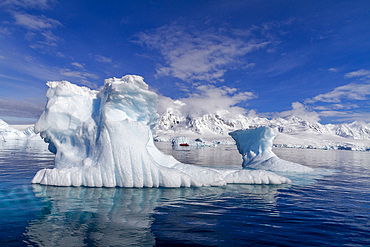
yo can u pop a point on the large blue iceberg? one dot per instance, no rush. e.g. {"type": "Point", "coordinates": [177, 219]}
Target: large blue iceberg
{"type": "Point", "coordinates": [104, 139]}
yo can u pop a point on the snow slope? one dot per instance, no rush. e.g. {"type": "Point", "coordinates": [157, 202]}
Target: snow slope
{"type": "Point", "coordinates": [104, 139]}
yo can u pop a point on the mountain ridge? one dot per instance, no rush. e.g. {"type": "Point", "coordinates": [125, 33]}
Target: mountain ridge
{"type": "Point", "coordinates": [216, 127]}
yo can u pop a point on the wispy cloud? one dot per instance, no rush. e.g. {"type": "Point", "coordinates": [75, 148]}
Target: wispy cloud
{"type": "Point", "coordinates": [102, 59]}
{"type": "Point", "coordinates": [33, 22]}
{"type": "Point", "coordinates": [333, 70]}
{"type": "Point", "coordinates": [39, 32]}
{"type": "Point", "coordinates": [352, 91]}
{"type": "Point", "coordinates": [335, 107]}
{"type": "Point", "coordinates": [27, 108]}
{"type": "Point", "coordinates": [249, 65]}
{"type": "Point", "coordinates": [78, 74]}
{"type": "Point", "coordinates": [193, 55]}
{"type": "Point", "coordinates": [347, 116]}
{"type": "Point", "coordinates": [30, 66]}
{"type": "Point", "coordinates": [4, 31]}
{"type": "Point", "coordinates": [83, 76]}
{"type": "Point", "coordinates": [78, 65]}
{"type": "Point", "coordinates": [347, 102]}
{"type": "Point", "coordinates": [359, 73]}
{"type": "Point", "coordinates": [34, 4]}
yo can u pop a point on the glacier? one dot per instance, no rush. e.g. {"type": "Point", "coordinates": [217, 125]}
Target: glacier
{"type": "Point", "coordinates": [103, 138]}
{"type": "Point", "coordinates": [255, 145]}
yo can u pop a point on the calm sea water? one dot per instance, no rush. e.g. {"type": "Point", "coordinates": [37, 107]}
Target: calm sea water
{"type": "Point", "coordinates": [328, 208]}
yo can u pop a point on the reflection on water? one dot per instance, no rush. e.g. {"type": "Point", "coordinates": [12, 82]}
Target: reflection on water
{"type": "Point", "coordinates": [93, 216]}
{"type": "Point", "coordinates": [223, 155]}
{"type": "Point", "coordinates": [97, 216]}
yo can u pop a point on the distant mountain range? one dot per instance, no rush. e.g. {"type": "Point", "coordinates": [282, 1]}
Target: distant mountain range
{"type": "Point", "coordinates": [9, 133]}
{"type": "Point", "coordinates": [294, 132]}
{"type": "Point", "coordinates": [213, 129]}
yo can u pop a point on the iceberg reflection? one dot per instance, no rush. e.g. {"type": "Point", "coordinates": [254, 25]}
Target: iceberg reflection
{"type": "Point", "coordinates": [77, 216]}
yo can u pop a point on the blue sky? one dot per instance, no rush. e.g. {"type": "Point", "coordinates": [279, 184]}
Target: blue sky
{"type": "Point", "coordinates": [277, 58]}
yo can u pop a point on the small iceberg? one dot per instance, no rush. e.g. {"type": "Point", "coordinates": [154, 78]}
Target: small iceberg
{"type": "Point", "coordinates": [255, 145]}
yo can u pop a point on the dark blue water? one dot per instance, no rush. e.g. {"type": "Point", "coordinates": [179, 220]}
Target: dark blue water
{"type": "Point", "coordinates": [330, 208]}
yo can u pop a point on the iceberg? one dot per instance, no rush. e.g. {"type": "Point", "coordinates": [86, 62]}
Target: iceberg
{"type": "Point", "coordinates": [255, 145]}
{"type": "Point", "coordinates": [104, 139]}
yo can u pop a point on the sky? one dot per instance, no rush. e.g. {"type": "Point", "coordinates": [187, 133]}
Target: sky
{"type": "Point", "coordinates": [271, 58]}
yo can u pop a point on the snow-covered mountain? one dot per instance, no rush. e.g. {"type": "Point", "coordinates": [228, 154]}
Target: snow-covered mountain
{"type": "Point", "coordinates": [212, 129]}
{"type": "Point", "coordinates": [294, 132]}
{"type": "Point", "coordinates": [8, 133]}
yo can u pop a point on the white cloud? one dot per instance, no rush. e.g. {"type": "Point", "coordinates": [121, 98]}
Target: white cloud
{"type": "Point", "coordinates": [35, 22]}
{"type": "Point", "coordinates": [84, 77]}
{"type": "Point", "coordinates": [336, 107]}
{"type": "Point", "coordinates": [4, 31]}
{"type": "Point", "coordinates": [352, 91]}
{"type": "Point", "coordinates": [89, 84]}
{"type": "Point", "coordinates": [27, 65]}
{"type": "Point", "coordinates": [78, 74]}
{"type": "Point", "coordinates": [249, 65]}
{"type": "Point", "coordinates": [102, 59]}
{"type": "Point", "coordinates": [346, 103]}
{"type": "Point", "coordinates": [78, 65]}
{"type": "Point", "coordinates": [347, 116]}
{"type": "Point", "coordinates": [333, 113]}
{"type": "Point", "coordinates": [37, 4]}
{"type": "Point", "coordinates": [359, 73]}
{"type": "Point", "coordinates": [39, 32]}
{"type": "Point", "coordinates": [301, 111]}
{"type": "Point", "coordinates": [333, 70]}
{"type": "Point", "coordinates": [49, 40]}
{"type": "Point", "coordinates": [209, 99]}
{"type": "Point", "coordinates": [197, 55]}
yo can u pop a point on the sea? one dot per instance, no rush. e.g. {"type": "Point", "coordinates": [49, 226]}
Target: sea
{"type": "Point", "coordinates": [330, 207]}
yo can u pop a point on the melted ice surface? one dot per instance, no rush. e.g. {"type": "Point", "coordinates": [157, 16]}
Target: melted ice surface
{"type": "Point", "coordinates": [104, 139]}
